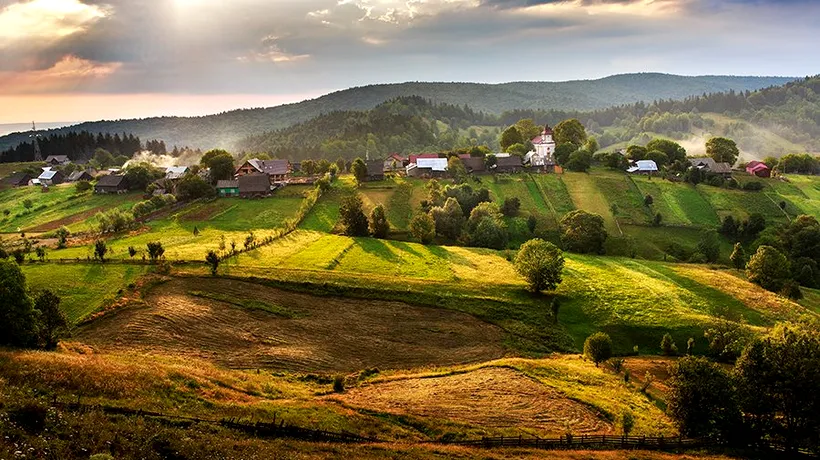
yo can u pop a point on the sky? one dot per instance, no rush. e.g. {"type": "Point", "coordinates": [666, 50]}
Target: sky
{"type": "Point", "coordinates": [78, 60]}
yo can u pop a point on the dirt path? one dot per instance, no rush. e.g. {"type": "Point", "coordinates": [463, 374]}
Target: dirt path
{"type": "Point", "coordinates": [324, 334]}
{"type": "Point", "coordinates": [489, 397]}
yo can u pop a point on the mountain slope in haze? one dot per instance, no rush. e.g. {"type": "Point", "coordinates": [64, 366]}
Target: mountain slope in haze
{"type": "Point", "coordinates": [225, 129]}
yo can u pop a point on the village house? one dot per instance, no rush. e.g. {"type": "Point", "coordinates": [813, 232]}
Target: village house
{"type": "Point", "coordinates": [83, 175]}
{"type": "Point", "coordinates": [474, 164]}
{"type": "Point", "coordinates": [57, 160]}
{"type": "Point", "coordinates": [394, 162]}
{"type": "Point", "coordinates": [227, 188]}
{"type": "Point", "coordinates": [18, 179]}
{"type": "Point", "coordinates": [51, 177]}
{"type": "Point", "coordinates": [375, 170]}
{"type": "Point", "coordinates": [427, 167]}
{"type": "Point", "coordinates": [508, 164]}
{"type": "Point", "coordinates": [276, 170]}
{"type": "Point", "coordinates": [709, 165]}
{"type": "Point", "coordinates": [758, 168]}
{"type": "Point", "coordinates": [111, 183]}
{"type": "Point", "coordinates": [253, 185]}
{"type": "Point", "coordinates": [643, 167]}
{"type": "Point", "coordinates": [175, 172]}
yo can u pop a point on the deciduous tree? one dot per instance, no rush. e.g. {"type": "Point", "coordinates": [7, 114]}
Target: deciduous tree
{"type": "Point", "coordinates": [541, 263]}
{"type": "Point", "coordinates": [17, 316]}
{"type": "Point", "coordinates": [722, 149]}
{"type": "Point", "coordinates": [583, 232]}
{"type": "Point", "coordinates": [379, 227]}
{"type": "Point", "coordinates": [598, 347]}
{"type": "Point", "coordinates": [570, 132]}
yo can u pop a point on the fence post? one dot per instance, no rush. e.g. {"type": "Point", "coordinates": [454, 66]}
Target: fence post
{"type": "Point", "coordinates": [520, 440]}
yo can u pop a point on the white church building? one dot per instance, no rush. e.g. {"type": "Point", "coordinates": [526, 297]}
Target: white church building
{"type": "Point", "coordinates": [542, 156]}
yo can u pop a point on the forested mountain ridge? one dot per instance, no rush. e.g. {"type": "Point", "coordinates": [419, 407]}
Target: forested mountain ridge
{"type": "Point", "coordinates": [225, 129]}
{"type": "Point", "coordinates": [768, 122]}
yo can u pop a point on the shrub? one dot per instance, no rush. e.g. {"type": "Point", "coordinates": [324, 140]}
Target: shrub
{"type": "Point", "coordinates": [19, 256]}
{"type": "Point", "coordinates": [379, 227]}
{"type": "Point", "coordinates": [738, 256]}
{"type": "Point", "coordinates": [583, 232]}
{"type": "Point", "coordinates": [82, 186]}
{"type": "Point", "coordinates": [31, 417]}
{"type": "Point", "coordinates": [656, 221]}
{"type": "Point", "coordinates": [155, 250]}
{"type": "Point", "coordinates": [352, 217]}
{"type": "Point", "coordinates": [627, 421]}
{"type": "Point", "coordinates": [532, 223]}
{"type": "Point", "coordinates": [132, 251]}
{"type": "Point", "coordinates": [690, 346]}
{"type": "Point", "coordinates": [212, 258]}
{"type": "Point", "coordinates": [423, 228]}
{"type": "Point", "coordinates": [28, 204]}
{"type": "Point", "coordinates": [449, 218]}
{"type": "Point", "coordinates": [648, 200]}
{"type": "Point", "coordinates": [338, 384]}
{"type": "Point", "coordinates": [62, 234]}
{"type": "Point", "coordinates": [17, 315]}
{"type": "Point", "coordinates": [52, 321]}
{"type": "Point", "coordinates": [668, 346]}
{"type": "Point", "coordinates": [100, 249]}
{"type": "Point", "coordinates": [617, 364]}
{"type": "Point", "coordinates": [541, 263]}
{"type": "Point", "coordinates": [709, 245]}
{"type": "Point", "coordinates": [768, 268]}
{"type": "Point", "coordinates": [791, 290]}
{"type": "Point", "coordinates": [511, 206]}
{"type": "Point", "coordinates": [598, 347]}
{"type": "Point", "coordinates": [753, 186]}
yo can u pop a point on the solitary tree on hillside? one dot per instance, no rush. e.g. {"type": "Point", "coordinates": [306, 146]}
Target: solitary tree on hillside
{"type": "Point", "coordinates": [598, 347]}
{"type": "Point", "coordinates": [583, 232]}
{"type": "Point", "coordinates": [768, 268]}
{"type": "Point", "coordinates": [423, 228]}
{"type": "Point", "coordinates": [541, 263]}
{"type": "Point", "coordinates": [722, 149]}
{"type": "Point", "coordinates": [738, 256]}
{"type": "Point", "coordinates": [212, 258]}
{"type": "Point", "coordinates": [359, 169]}
{"type": "Point", "coordinates": [53, 323]}
{"type": "Point", "coordinates": [155, 250]}
{"type": "Point", "coordinates": [352, 217]}
{"type": "Point", "coordinates": [100, 249]}
{"type": "Point", "coordinates": [17, 315]}
{"type": "Point", "coordinates": [509, 137]}
{"type": "Point", "coordinates": [570, 132]}
{"type": "Point", "coordinates": [379, 227]}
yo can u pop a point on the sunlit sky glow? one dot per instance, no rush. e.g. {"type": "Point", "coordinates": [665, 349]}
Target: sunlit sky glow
{"type": "Point", "coordinates": [93, 59]}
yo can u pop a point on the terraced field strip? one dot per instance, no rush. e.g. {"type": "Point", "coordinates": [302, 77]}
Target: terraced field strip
{"type": "Point", "coordinates": [741, 204]}
{"type": "Point", "coordinates": [803, 191]}
{"type": "Point", "coordinates": [678, 203]}
{"type": "Point", "coordinates": [586, 195]}
{"type": "Point", "coordinates": [624, 194]}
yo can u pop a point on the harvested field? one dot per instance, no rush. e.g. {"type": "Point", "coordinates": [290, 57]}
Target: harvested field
{"type": "Point", "coordinates": [321, 334]}
{"type": "Point", "coordinates": [490, 397]}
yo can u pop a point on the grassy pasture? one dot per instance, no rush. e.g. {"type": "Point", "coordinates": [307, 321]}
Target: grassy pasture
{"type": "Point", "coordinates": [678, 203]}
{"type": "Point", "coordinates": [84, 288]}
{"type": "Point", "coordinates": [586, 195]}
{"type": "Point", "coordinates": [6, 169]}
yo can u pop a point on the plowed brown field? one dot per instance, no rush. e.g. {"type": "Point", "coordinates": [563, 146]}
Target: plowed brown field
{"type": "Point", "coordinates": [488, 397]}
{"type": "Point", "coordinates": [325, 334]}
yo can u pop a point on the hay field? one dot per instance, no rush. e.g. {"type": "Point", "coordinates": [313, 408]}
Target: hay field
{"type": "Point", "coordinates": [285, 330]}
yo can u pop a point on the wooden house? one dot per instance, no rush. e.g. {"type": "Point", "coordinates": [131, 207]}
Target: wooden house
{"type": "Point", "coordinates": [51, 177]}
{"type": "Point", "coordinates": [509, 164]}
{"type": "Point", "coordinates": [18, 179]}
{"type": "Point", "coordinates": [227, 187]}
{"type": "Point", "coordinates": [375, 170]}
{"type": "Point", "coordinates": [57, 160]}
{"type": "Point", "coordinates": [253, 185]}
{"type": "Point", "coordinates": [112, 183]}
{"type": "Point", "coordinates": [276, 170]}
{"type": "Point", "coordinates": [78, 176]}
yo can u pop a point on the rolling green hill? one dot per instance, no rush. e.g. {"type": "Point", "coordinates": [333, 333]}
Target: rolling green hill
{"type": "Point", "coordinates": [225, 129]}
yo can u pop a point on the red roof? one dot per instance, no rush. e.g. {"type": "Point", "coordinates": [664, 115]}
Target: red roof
{"type": "Point", "coordinates": [546, 132]}
{"type": "Point", "coordinates": [464, 156]}
{"type": "Point", "coordinates": [757, 167]}
{"type": "Point", "coordinates": [396, 157]}
{"type": "Point", "coordinates": [754, 163]}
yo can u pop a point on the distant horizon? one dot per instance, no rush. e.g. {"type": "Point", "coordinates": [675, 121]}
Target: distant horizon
{"type": "Point", "coordinates": [223, 103]}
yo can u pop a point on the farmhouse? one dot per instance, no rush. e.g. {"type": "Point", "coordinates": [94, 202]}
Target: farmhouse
{"type": "Point", "coordinates": [51, 177]}
{"type": "Point", "coordinates": [394, 162]}
{"type": "Point", "coordinates": [175, 172]}
{"type": "Point", "coordinates": [276, 170]}
{"type": "Point", "coordinates": [253, 185]}
{"type": "Point", "coordinates": [18, 179]}
{"type": "Point", "coordinates": [227, 187]}
{"type": "Point", "coordinates": [644, 166]}
{"type": "Point", "coordinates": [375, 170]}
{"type": "Point", "coordinates": [427, 167]}
{"type": "Point", "coordinates": [112, 183]}
{"type": "Point", "coordinates": [78, 176]}
{"type": "Point", "coordinates": [57, 160]}
{"type": "Point", "coordinates": [758, 168]}
{"type": "Point", "coordinates": [709, 165]}
{"type": "Point", "coordinates": [508, 164]}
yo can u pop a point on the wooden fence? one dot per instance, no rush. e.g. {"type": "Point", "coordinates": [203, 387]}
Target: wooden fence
{"type": "Point", "coordinates": [588, 441]}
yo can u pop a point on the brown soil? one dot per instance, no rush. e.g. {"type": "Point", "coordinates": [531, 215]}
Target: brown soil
{"type": "Point", "coordinates": [55, 224]}
{"type": "Point", "coordinates": [326, 334]}
{"type": "Point", "coordinates": [488, 397]}
{"type": "Point", "coordinates": [657, 366]}
{"type": "Point", "coordinates": [204, 212]}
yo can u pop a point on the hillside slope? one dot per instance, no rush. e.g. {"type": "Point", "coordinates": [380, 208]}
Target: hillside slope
{"type": "Point", "coordinates": [222, 130]}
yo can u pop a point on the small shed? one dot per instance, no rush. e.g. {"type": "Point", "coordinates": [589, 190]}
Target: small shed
{"type": "Point", "coordinates": [252, 185]}
{"type": "Point", "coordinates": [78, 176]}
{"type": "Point", "coordinates": [175, 172]}
{"type": "Point", "coordinates": [112, 183]}
{"type": "Point", "coordinates": [18, 179]}
{"type": "Point", "coordinates": [51, 177]}
{"type": "Point", "coordinates": [709, 165]}
{"type": "Point", "coordinates": [227, 187]}
{"type": "Point", "coordinates": [759, 169]}
{"type": "Point", "coordinates": [375, 170]}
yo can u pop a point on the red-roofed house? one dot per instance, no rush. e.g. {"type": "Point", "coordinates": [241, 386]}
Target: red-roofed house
{"type": "Point", "coordinates": [395, 162]}
{"type": "Point", "coordinates": [758, 168]}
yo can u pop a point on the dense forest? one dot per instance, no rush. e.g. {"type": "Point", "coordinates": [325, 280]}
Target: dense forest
{"type": "Point", "coordinates": [226, 129]}
{"type": "Point", "coordinates": [414, 124]}
{"type": "Point", "coordinates": [81, 146]}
